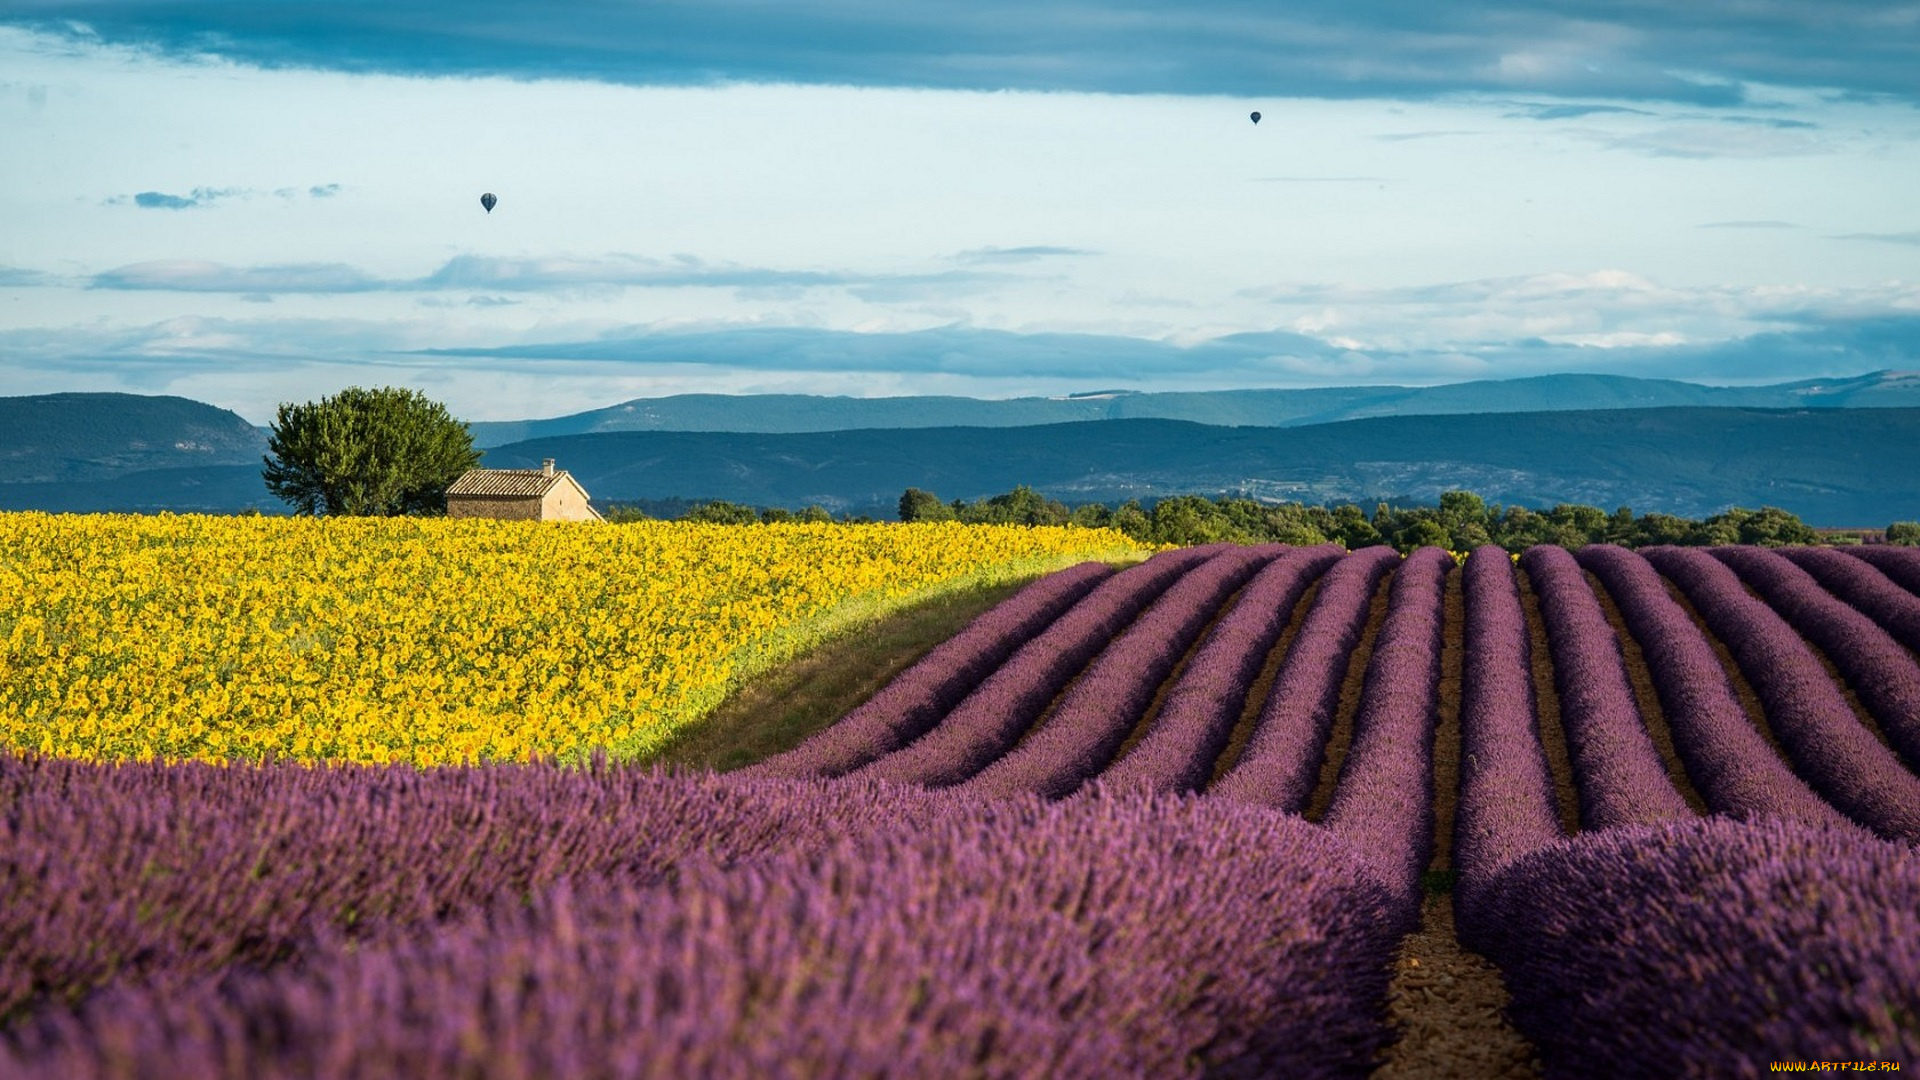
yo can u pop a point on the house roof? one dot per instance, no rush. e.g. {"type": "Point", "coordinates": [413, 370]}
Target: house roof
{"type": "Point", "coordinates": [509, 483]}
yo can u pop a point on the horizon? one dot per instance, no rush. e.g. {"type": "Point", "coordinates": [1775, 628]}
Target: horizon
{"type": "Point", "coordinates": [1889, 373]}
{"type": "Point", "coordinates": [996, 201]}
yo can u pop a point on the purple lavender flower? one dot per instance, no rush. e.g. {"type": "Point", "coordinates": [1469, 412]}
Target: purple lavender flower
{"type": "Point", "coordinates": [1838, 756]}
{"type": "Point", "coordinates": [1196, 720]}
{"type": "Point", "coordinates": [1616, 768]}
{"type": "Point", "coordinates": [921, 695]}
{"type": "Point", "coordinates": [1282, 758]}
{"type": "Point", "coordinates": [1095, 715]}
{"type": "Point", "coordinates": [1726, 759]}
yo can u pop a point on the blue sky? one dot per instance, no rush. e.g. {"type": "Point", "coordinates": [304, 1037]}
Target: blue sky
{"type": "Point", "coordinates": [255, 203]}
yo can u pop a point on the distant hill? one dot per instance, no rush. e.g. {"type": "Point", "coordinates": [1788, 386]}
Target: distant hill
{"type": "Point", "coordinates": [1833, 467]}
{"type": "Point", "coordinates": [61, 438]}
{"type": "Point", "coordinates": [1838, 466]}
{"type": "Point", "coordinates": [773, 413]}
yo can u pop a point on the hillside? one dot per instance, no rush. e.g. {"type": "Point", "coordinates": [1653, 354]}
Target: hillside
{"type": "Point", "coordinates": [1832, 467]}
{"type": "Point", "coordinates": [60, 438]}
{"type": "Point", "coordinates": [788, 413]}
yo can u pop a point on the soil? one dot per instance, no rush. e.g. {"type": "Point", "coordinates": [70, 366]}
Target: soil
{"type": "Point", "coordinates": [1446, 1002]}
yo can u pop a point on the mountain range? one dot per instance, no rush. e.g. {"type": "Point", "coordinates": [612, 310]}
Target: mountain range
{"type": "Point", "coordinates": [1838, 467]}
{"type": "Point", "coordinates": [1838, 453]}
{"type": "Point", "coordinates": [772, 413]}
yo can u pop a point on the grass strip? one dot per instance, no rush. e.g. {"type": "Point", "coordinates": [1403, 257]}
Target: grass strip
{"type": "Point", "coordinates": [794, 682]}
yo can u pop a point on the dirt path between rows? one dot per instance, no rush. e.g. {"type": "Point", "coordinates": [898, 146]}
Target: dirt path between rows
{"type": "Point", "coordinates": [1446, 1002]}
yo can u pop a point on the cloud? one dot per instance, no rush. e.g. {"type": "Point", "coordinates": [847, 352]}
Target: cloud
{"type": "Point", "coordinates": [205, 196]}
{"type": "Point", "coordinates": [1778, 123]}
{"type": "Point", "coordinates": [1707, 52]}
{"type": "Point", "coordinates": [1324, 179]}
{"type": "Point", "coordinates": [1884, 238]}
{"type": "Point", "coordinates": [1532, 111]}
{"type": "Point", "coordinates": [155, 200]}
{"type": "Point", "coordinates": [1029, 253]}
{"type": "Point", "coordinates": [1749, 225]}
{"type": "Point", "coordinates": [14, 277]}
{"type": "Point", "coordinates": [526, 274]}
{"type": "Point", "coordinates": [1725, 137]}
{"type": "Point", "coordinates": [1530, 288]}
{"type": "Point", "coordinates": [1413, 136]}
{"type": "Point", "coordinates": [1601, 308]}
{"type": "Point", "coordinates": [1314, 326]}
{"type": "Point", "coordinates": [966, 351]}
{"type": "Point", "coordinates": [250, 365]}
{"type": "Point", "coordinates": [1266, 358]}
{"type": "Point", "coordinates": [187, 275]}
{"type": "Point", "coordinates": [530, 274]}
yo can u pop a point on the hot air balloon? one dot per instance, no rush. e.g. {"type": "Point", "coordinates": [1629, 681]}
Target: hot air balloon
{"type": "Point", "coordinates": [488, 200]}
{"type": "Point", "coordinates": [1256, 118]}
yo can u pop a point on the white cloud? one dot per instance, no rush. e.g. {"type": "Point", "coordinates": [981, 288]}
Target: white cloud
{"type": "Point", "coordinates": [190, 275]}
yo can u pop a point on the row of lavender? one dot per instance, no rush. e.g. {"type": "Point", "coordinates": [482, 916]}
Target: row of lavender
{"type": "Point", "coordinates": [538, 921]}
{"type": "Point", "coordinates": [1656, 941]}
{"type": "Point", "coordinates": [1058, 712]}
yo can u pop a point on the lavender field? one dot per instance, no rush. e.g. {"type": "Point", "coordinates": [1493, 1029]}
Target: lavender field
{"type": "Point", "coordinates": [1174, 820]}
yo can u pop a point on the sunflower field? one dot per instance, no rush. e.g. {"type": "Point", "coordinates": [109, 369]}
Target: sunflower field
{"type": "Point", "coordinates": [433, 641]}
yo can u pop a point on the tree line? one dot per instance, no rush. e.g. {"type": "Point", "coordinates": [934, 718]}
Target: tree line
{"type": "Point", "coordinates": [1460, 522]}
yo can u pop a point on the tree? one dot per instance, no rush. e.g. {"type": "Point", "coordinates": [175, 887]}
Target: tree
{"type": "Point", "coordinates": [1462, 508]}
{"type": "Point", "coordinates": [1775, 527]}
{"type": "Point", "coordinates": [381, 452]}
{"type": "Point", "coordinates": [1424, 532]}
{"type": "Point", "coordinates": [1651, 529]}
{"type": "Point", "coordinates": [1091, 516]}
{"type": "Point", "coordinates": [1904, 532]}
{"type": "Point", "coordinates": [1577, 524]}
{"type": "Point", "coordinates": [1021, 506]}
{"type": "Point", "coordinates": [1129, 518]}
{"type": "Point", "coordinates": [1768, 526]}
{"type": "Point", "coordinates": [1352, 528]}
{"type": "Point", "coordinates": [722, 512]}
{"type": "Point", "coordinates": [1186, 519]}
{"type": "Point", "coordinates": [917, 505]}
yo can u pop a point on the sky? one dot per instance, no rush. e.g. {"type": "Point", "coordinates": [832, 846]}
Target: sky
{"type": "Point", "coordinates": [259, 203]}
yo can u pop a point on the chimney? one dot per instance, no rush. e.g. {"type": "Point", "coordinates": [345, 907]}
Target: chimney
{"type": "Point", "coordinates": [546, 466]}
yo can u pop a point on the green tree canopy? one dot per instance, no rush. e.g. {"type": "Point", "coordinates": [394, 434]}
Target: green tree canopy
{"type": "Point", "coordinates": [722, 512]}
{"type": "Point", "coordinates": [1425, 532]}
{"type": "Point", "coordinates": [917, 505]}
{"type": "Point", "coordinates": [1021, 506]}
{"type": "Point", "coordinates": [380, 452]}
{"type": "Point", "coordinates": [1769, 526]}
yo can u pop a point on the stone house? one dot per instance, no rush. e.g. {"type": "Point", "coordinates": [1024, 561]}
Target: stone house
{"type": "Point", "coordinates": [543, 494]}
